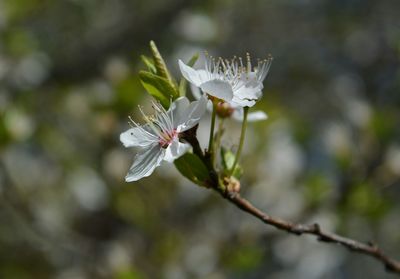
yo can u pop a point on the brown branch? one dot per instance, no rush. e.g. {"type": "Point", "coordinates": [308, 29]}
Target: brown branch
{"type": "Point", "coordinates": [369, 249]}
{"type": "Point", "coordinates": [298, 229]}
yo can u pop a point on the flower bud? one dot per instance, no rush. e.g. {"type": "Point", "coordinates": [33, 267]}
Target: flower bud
{"type": "Point", "coordinates": [232, 184]}
{"type": "Point", "coordinates": [224, 110]}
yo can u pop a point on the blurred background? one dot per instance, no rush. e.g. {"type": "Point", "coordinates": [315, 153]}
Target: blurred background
{"type": "Point", "coordinates": [329, 152]}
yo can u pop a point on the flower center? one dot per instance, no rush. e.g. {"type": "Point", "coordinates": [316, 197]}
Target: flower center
{"type": "Point", "coordinates": [166, 137]}
{"type": "Point", "coordinates": [160, 126]}
{"type": "Point", "coordinates": [236, 71]}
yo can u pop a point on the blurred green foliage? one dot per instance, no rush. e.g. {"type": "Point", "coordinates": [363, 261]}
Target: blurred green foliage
{"type": "Point", "coordinates": [329, 152]}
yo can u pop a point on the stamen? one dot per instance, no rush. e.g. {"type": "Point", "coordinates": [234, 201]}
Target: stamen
{"type": "Point", "coordinates": [232, 70]}
{"type": "Point", "coordinates": [263, 68]}
{"type": "Point", "coordinates": [248, 62]}
{"type": "Point", "coordinates": [164, 115]}
{"type": "Point", "coordinates": [140, 127]}
{"type": "Point", "coordinates": [241, 62]}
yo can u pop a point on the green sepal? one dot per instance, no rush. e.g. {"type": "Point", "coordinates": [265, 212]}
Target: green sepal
{"type": "Point", "coordinates": [161, 67]}
{"type": "Point", "coordinates": [183, 81]}
{"type": "Point", "coordinates": [228, 158]}
{"type": "Point", "coordinates": [149, 62]}
{"type": "Point", "coordinates": [193, 168]}
{"type": "Point", "coordinates": [158, 87]}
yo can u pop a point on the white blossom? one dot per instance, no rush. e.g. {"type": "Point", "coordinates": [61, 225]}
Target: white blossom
{"type": "Point", "coordinates": [230, 80]}
{"type": "Point", "coordinates": [158, 139]}
{"type": "Point", "coordinates": [231, 109]}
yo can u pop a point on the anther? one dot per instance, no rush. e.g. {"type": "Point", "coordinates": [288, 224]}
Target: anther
{"type": "Point", "coordinates": [248, 62]}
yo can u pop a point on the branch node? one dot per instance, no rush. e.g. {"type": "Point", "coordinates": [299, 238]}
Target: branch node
{"type": "Point", "coordinates": [372, 245]}
{"type": "Point", "coordinates": [296, 230]}
{"type": "Point", "coordinates": [231, 195]}
{"type": "Point", "coordinates": [323, 238]}
{"type": "Point", "coordinates": [317, 228]}
{"type": "Point", "coordinates": [232, 185]}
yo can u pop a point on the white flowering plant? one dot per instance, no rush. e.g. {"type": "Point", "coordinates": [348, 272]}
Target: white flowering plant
{"type": "Point", "coordinates": [229, 88]}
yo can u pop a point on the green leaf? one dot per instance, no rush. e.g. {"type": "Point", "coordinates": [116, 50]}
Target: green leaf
{"type": "Point", "coordinates": [228, 158]}
{"type": "Point", "coordinates": [191, 167]}
{"type": "Point", "coordinates": [183, 82]}
{"type": "Point", "coordinates": [158, 87]}
{"type": "Point", "coordinates": [238, 172]}
{"type": "Point", "coordinates": [149, 62]}
{"type": "Point", "coordinates": [161, 67]}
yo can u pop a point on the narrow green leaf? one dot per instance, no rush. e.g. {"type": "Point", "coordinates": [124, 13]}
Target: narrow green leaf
{"type": "Point", "coordinates": [191, 167]}
{"type": "Point", "coordinates": [183, 81]}
{"type": "Point", "coordinates": [161, 67]}
{"type": "Point", "coordinates": [228, 158]}
{"type": "Point", "coordinates": [149, 62]}
{"type": "Point", "coordinates": [238, 172]}
{"type": "Point", "coordinates": [193, 60]}
{"type": "Point", "coordinates": [157, 87]}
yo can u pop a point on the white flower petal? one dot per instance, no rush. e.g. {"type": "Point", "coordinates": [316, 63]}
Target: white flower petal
{"type": "Point", "coordinates": [205, 76]}
{"type": "Point", "coordinates": [192, 115]}
{"type": "Point", "coordinates": [250, 90]}
{"type": "Point", "coordinates": [218, 88]}
{"type": "Point", "coordinates": [178, 108]}
{"type": "Point", "coordinates": [175, 150]}
{"type": "Point", "coordinates": [145, 162]}
{"type": "Point", "coordinates": [249, 76]}
{"type": "Point", "coordinates": [242, 102]}
{"type": "Point", "coordinates": [251, 117]}
{"type": "Point", "coordinates": [238, 114]}
{"type": "Point", "coordinates": [257, 116]}
{"type": "Point", "coordinates": [195, 91]}
{"type": "Point", "coordinates": [138, 136]}
{"type": "Point", "coordinates": [190, 74]}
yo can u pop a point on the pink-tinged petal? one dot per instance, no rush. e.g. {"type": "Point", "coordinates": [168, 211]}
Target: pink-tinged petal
{"type": "Point", "coordinates": [192, 115]}
{"type": "Point", "coordinates": [145, 162]}
{"type": "Point", "coordinates": [190, 74]}
{"type": "Point", "coordinates": [138, 136]}
{"type": "Point", "coordinates": [218, 88]}
{"type": "Point", "coordinates": [175, 150]}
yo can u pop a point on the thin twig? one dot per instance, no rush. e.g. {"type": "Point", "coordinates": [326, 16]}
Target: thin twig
{"type": "Point", "coordinates": [369, 249]}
